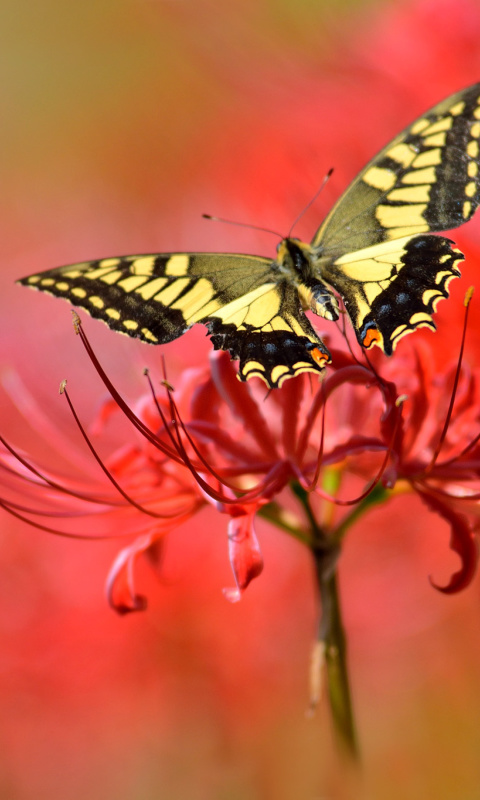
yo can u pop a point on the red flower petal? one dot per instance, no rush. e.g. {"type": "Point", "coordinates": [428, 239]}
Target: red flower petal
{"type": "Point", "coordinates": [120, 586]}
{"type": "Point", "coordinates": [244, 552]}
{"type": "Point", "coordinates": [242, 405]}
{"type": "Point", "coordinates": [462, 542]}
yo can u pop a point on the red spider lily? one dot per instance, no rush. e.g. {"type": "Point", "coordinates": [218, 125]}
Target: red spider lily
{"type": "Point", "coordinates": [239, 450]}
{"type": "Point", "coordinates": [214, 440]}
{"type": "Point", "coordinates": [218, 441]}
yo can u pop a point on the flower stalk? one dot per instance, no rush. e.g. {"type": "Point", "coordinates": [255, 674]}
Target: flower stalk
{"type": "Point", "coordinates": [331, 634]}
{"type": "Point", "coordinates": [330, 650]}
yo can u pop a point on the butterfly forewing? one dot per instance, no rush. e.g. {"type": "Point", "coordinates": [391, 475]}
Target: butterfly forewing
{"type": "Point", "coordinates": [155, 297]}
{"type": "Point", "coordinates": [426, 179]}
{"type": "Point", "coordinates": [374, 247]}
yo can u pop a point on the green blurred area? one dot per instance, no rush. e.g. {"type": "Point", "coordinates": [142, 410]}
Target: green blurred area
{"type": "Point", "coordinates": [128, 88]}
{"type": "Point", "coordinates": [93, 86]}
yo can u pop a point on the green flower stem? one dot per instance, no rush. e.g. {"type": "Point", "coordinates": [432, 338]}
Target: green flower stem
{"type": "Point", "coordinates": [324, 541]}
{"type": "Point", "coordinates": [377, 495]}
{"type": "Point", "coordinates": [275, 514]}
{"type": "Point", "coordinates": [331, 632]}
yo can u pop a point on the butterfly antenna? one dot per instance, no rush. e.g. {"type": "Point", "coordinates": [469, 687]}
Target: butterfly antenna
{"type": "Point", "coordinates": [311, 202]}
{"type": "Point", "coordinates": [243, 225]}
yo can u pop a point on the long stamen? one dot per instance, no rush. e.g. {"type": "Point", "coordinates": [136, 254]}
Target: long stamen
{"type": "Point", "coordinates": [100, 463]}
{"type": "Point", "coordinates": [466, 302]}
{"type": "Point", "coordinates": [247, 496]}
{"type": "Point", "coordinates": [441, 492]}
{"type": "Point", "coordinates": [168, 426]}
{"type": "Point", "coordinates": [373, 483]}
{"type": "Point", "coordinates": [48, 481]}
{"type": "Point", "coordinates": [41, 512]}
{"type": "Point", "coordinates": [37, 419]}
{"type": "Point", "coordinates": [10, 508]}
{"type": "Point", "coordinates": [172, 428]}
{"type": "Point", "coordinates": [310, 487]}
{"type": "Point", "coordinates": [346, 375]}
{"type": "Point", "coordinates": [131, 416]}
{"type": "Point", "coordinates": [180, 425]}
{"type": "Point", "coordinates": [462, 453]}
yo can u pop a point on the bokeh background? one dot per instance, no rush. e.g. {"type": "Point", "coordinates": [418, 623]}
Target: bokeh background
{"type": "Point", "coordinates": [122, 122]}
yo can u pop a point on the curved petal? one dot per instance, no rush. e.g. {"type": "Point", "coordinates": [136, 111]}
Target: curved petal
{"type": "Point", "coordinates": [462, 542]}
{"type": "Point", "coordinates": [352, 375]}
{"type": "Point", "coordinates": [120, 586]}
{"type": "Point", "coordinates": [244, 552]}
{"type": "Point", "coordinates": [242, 405]}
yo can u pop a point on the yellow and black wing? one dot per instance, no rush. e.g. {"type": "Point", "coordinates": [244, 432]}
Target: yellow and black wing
{"type": "Point", "coordinates": [248, 310]}
{"type": "Point", "coordinates": [374, 247]}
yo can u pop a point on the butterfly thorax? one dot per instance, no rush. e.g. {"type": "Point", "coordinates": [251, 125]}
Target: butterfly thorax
{"type": "Point", "coordinates": [297, 261]}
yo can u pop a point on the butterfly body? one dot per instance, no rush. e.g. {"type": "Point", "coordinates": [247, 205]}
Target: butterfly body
{"type": "Point", "coordinates": [375, 250]}
{"type": "Point", "coordinates": [300, 264]}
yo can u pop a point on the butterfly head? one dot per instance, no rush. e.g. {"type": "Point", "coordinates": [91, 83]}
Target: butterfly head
{"type": "Point", "coordinates": [295, 258]}
{"type": "Point", "coordinates": [298, 262]}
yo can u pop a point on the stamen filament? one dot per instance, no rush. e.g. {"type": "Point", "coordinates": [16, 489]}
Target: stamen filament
{"type": "Point", "coordinates": [103, 466]}
{"type": "Point", "coordinates": [443, 435]}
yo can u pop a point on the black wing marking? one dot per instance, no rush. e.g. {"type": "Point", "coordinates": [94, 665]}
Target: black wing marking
{"type": "Point", "coordinates": [248, 312]}
{"type": "Point", "coordinates": [154, 297]}
{"type": "Point", "coordinates": [391, 289]}
{"type": "Point", "coordinates": [268, 331]}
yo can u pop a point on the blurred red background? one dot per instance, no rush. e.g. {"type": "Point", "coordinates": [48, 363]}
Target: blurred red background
{"type": "Point", "coordinates": [122, 123]}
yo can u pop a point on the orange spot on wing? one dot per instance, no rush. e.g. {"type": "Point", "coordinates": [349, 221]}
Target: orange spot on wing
{"type": "Point", "coordinates": [320, 358]}
{"type": "Point", "coordinates": [372, 336]}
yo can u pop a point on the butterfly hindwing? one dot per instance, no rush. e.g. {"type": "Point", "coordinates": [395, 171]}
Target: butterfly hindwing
{"type": "Point", "coordinates": [393, 288]}
{"type": "Point", "coordinates": [270, 334]}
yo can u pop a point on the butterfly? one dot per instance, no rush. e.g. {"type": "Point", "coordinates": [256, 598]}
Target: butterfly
{"type": "Point", "coordinates": [375, 250]}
